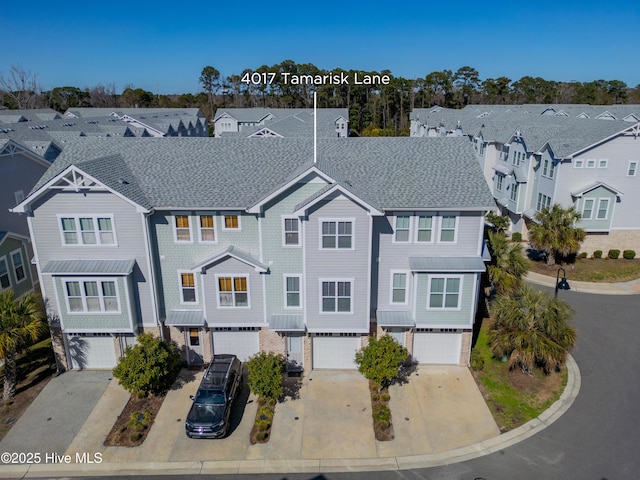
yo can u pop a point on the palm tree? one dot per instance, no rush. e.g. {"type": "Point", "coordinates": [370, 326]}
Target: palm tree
{"type": "Point", "coordinates": [556, 233]}
{"type": "Point", "coordinates": [21, 322]}
{"type": "Point", "coordinates": [530, 327]}
{"type": "Point", "coordinates": [508, 263]}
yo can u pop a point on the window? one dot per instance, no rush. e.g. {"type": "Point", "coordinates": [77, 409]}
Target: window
{"type": "Point", "coordinates": [291, 232]}
{"type": "Point", "coordinates": [231, 221]}
{"type": "Point", "coordinates": [587, 208]}
{"type": "Point", "coordinates": [5, 281]}
{"type": "Point", "coordinates": [398, 287]}
{"type": "Point", "coordinates": [579, 164]}
{"type": "Point", "coordinates": [183, 230]}
{"type": "Point", "coordinates": [91, 296]}
{"type": "Point", "coordinates": [87, 230]}
{"type": "Point", "coordinates": [633, 167]}
{"type": "Point", "coordinates": [425, 228]}
{"type": "Point", "coordinates": [336, 297]}
{"type": "Point", "coordinates": [514, 192]}
{"type": "Point", "coordinates": [402, 228]}
{"type": "Point", "coordinates": [292, 291]}
{"type": "Point", "coordinates": [207, 228]}
{"type": "Point", "coordinates": [547, 168]}
{"type": "Point", "coordinates": [603, 208]}
{"type": "Point", "coordinates": [444, 292]}
{"type": "Point", "coordinates": [188, 287]}
{"type": "Point", "coordinates": [499, 179]}
{"type": "Point", "coordinates": [232, 292]}
{"type": "Point", "coordinates": [18, 265]}
{"type": "Point", "coordinates": [591, 163]}
{"type": "Point", "coordinates": [544, 202]}
{"type": "Point", "coordinates": [448, 228]}
{"type": "Point", "coordinates": [602, 163]}
{"type": "Point", "coordinates": [337, 234]}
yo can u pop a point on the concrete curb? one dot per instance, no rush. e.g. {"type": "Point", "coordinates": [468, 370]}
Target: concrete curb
{"type": "Point", "coordinates": [468, 452]}
{"type": "Point", "coordinates": [622, 288]}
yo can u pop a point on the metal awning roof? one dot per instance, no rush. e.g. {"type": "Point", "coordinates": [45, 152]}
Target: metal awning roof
{"type": "Point", "coordinates": [89, 267]}
{"type": "Point", "coordinates": [185, 318]}
{"type": "Point", "coordinates": [286, 323]}
{"type": "Point", "coordinates": [446, 264]}
{"type": "Point", "coordinates": [395, 319]}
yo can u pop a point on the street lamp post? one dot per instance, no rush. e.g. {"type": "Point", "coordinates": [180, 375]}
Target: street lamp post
{"type": "Point", "coordinates": [561, 284]}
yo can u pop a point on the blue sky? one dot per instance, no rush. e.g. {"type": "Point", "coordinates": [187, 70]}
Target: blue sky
{"type": "Point", "coordinates": [162, 46]}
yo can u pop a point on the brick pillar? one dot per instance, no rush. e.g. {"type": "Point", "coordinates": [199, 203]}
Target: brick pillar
{"type": "Point", "coordinates": [465, 348]}
{"type": "Point", "coordinates": [272, 341]}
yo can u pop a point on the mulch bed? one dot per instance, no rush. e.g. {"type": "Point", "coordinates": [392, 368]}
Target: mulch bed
{"type": "Point", "coordinates": [261, 430]}
{"type": "Point", "coordinates": [381, 413]}
{"type": "Point", "coordinates": [126, 433]}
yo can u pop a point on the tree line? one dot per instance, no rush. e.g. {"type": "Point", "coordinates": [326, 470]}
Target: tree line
{"type": "Point", "coordinates": [373, 109]}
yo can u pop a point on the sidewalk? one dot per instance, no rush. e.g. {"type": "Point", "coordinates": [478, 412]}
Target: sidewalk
{"type": "Point", "coordinates": [622, 288]}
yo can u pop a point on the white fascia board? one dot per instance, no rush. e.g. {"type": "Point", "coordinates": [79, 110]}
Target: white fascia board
{"type": "Point", "coordinates": [605, 140]}
{"type": "Point", "coordinates": [336, 187]}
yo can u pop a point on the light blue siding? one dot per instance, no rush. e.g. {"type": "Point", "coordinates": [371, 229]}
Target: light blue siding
{"type": "Point", "coordinates": [442, 318]}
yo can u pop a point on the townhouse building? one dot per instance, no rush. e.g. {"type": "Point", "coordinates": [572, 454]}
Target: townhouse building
{"type": "Point", "coordinates": [235, 246]}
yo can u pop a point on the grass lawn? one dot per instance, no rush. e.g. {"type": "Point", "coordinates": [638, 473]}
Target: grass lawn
{"type": "Point", "coordinates": [514, 397]}
{"type": "Point", "coordinates": [35, 368]}
{"type": "Point", "coordinates": [594, 269]}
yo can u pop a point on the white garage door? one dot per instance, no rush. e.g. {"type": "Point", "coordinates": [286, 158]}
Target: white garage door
{"type": "Point", "coordinates": [242, 343]}
{"type": "Point", "coordinates": [437, 347]}
{"type": "Point", "coordinates": [335, 352]}
{"type": "Point", "coordinates": [92, 351]}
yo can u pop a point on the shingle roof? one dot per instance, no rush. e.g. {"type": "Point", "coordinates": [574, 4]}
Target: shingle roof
{"type": "Point", "coordinates": [238, 173]}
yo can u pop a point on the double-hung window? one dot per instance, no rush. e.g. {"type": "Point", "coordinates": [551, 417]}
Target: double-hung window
{"type": "Point", "coordinates": [92, 296]}
{"type": "Point", "coordinates": [188, 287]}
{"type": "Point", "coordinates": [18, 265]}
{"type": "Point", "coordinates": [603, 209]}
{"type": "Point", "coordinates": [207, 228]}
{"type": "Point", "coordinates": [337, 234]}
{"type": "Point", "coordinates": [633, 167]}
{"type": "Point", "coordinates": [448, 228]}
{"type": "Point", "coordinates": [231, 221]}
{"type": "Point", "coordinates": [587, 208]}
{"type": "Point", "coordinates": [183, 230]}
{"type": "Point", "coordinates": [499, 180]}
{"type": "Point", "coordinates": [514, 192]}
{"type": "Point", "coordinates": [87, 230]}
{"type": "Point", "coordinates": [399, 287]}
{"type": "Point", "coordinates": [444, 292]}
{"type": "Point", "coordinates": [336, 296]}
{"type": "Point", "coordinates": [402, 228]}
{"type": "Point", "coordinates": [291, 231]}
{"type": "Point", "coordinates": [425, 228]}
{"type": "Point", "coordinates": [292, 291]}
{"type": "Point", "coordinates": [5, 281]}
{"type": "Point", "coordinates": [233, 292]}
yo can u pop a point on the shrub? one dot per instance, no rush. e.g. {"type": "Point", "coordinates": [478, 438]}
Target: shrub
{"type": "Point", "coordinates": [516, 237]}
{"type": "Point", "coordinates": [151, 366]}
{"type": "Point", "coordinates": [629, 254]}
{"type": "Point", "coordinates": [385, 397]}
{"type": "Point", "coordinates": [383, 413]}
{"type": "Point", "coordinates": [264, 413]}
{"type": "Point", "coordinates": [383, 424]}
{"type": "Point", "coordinates": [477, 362]}
{"type": "Point", "coordinates": [265, 375]}
{"type": "Point", "coordinates": [597, 254]}
{"type": "Point", "coordinates": [582, 255]}
{"type": "Point", "coordinates": [613, 254]}
{"type": "Point", "coordinates": [380, 360]}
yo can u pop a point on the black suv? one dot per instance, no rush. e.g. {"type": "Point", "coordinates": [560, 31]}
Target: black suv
{"type": "Point", "coordinates": [211, 409]}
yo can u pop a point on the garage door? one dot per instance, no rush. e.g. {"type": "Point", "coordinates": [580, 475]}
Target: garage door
{"type": "Point", "coordinates": [437, 347]}
{"type": "Point", "coordinates": [92, 351]}
{"type": "Point", "coordinates": [240, 342]}
{"type": "Point", "coordinates": [335, 352]}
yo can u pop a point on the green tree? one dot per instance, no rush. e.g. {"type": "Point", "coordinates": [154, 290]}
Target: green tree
{"type": "Point", "coordinates": [530, 328]}
{"type": "Point", "coordinates": [466, 81]}
{"type": "Point", "coordinates": [210, 81]}
{"type": "Point", "coordinates": [380, 361]}
{"type": "Point", "coordinates": [21, 323]}
{"type": "Point", "coordinates": [499, 222]}
{"type": "Point", "coordinates": [265, 374]}
{"type": "Point", "coordinates": [508, 263]}
{"type": "Point", "coordinates": [150, 366]}
{"type": "Point", "coordinates": [556, 233]}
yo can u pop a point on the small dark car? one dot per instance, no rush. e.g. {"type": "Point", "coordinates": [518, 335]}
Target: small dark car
{"type": "Point", "coordinates": [211, 409]}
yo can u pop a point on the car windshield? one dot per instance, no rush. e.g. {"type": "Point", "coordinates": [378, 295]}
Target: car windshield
{"type": "Point", "coordinates": [210, 397]}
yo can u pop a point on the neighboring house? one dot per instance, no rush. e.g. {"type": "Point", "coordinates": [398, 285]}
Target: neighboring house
{"type": "Point", "coordinates": [281, 122]}
{"type": "Point", "coordinates": [20, 170]}
{"type": "Point", "coordinates": [534, 158]}
{"type": "Point", "coordinates": [237, 246]}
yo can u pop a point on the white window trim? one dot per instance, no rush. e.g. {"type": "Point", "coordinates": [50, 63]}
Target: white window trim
{"type": "Point", "coordinates": [99, 281]}
{"type": "Point", "coordinates": [175, 227]}
{"type": "Point", "coordinates": [232, 276]}
{"type": "Point", "coordinates": [336, 280]}
{"type": "Point", "coordinates": [94, 216]}
{"type": "Point", "coordinates": [406, 288]}
{"type": "Point", "coordinates": [337, 220]}
{"type": "Point", "coordinates": [515, 186]}
{"type": "Point", "coordinates": [6, 262]}
{"type": "Point", "coordinates": [604, 161]}
{"type": "Point", "coordinates": [499, 182]}
{"type": "Point", "coordinates": [635, 168]}
{"type": "Point", "coordinates": [434, 227]}
{"type": "Point", "coordinates": [199, 227]}
{"type": "Point", "coordinates": [23, 265]}
{"type": "Point", "coordinates": [588, 160]}
{"type": "Point", "coordinates": [284, 233]}
{"type": "Point", "coordinates": [441, 216]}
{"type": "Point", "coordinates": [600, 200]}
{"type": "Point", "coordinates": [195, 286]}
{"type": "Point", "coordinates": [395, 225]}
{"type": "Point", "coordinates": [579, 163]}
{"type": "Point", "coordinates": [593, 208]}
{"type": "Point", "coordinates": [231, 214]}
{"type": "Point", "coordinates": [284, 288]}
{"type": "Point", "coordinates": [446, 277]}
